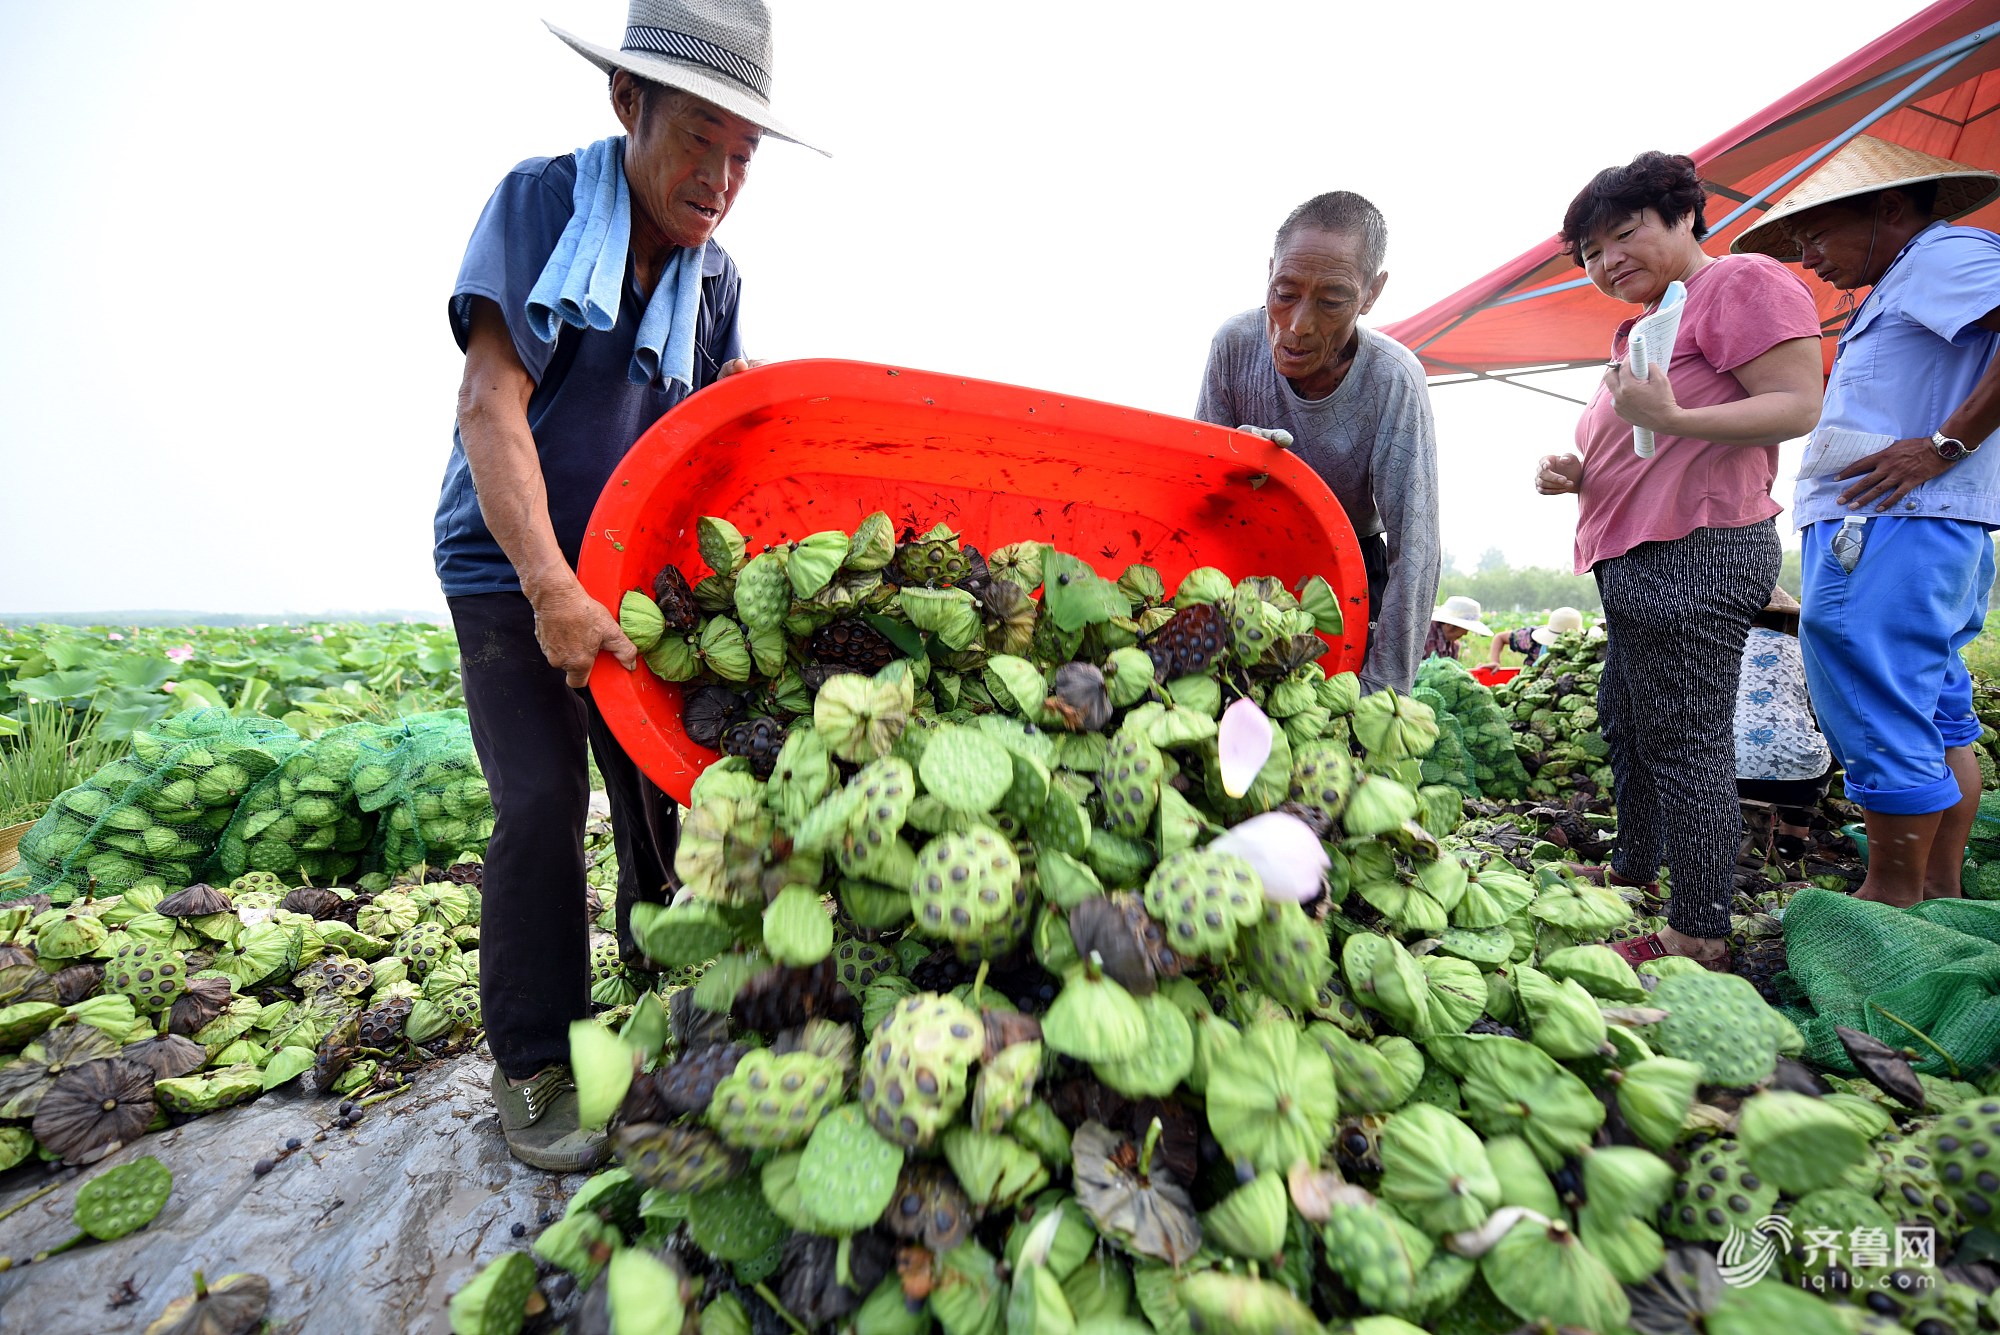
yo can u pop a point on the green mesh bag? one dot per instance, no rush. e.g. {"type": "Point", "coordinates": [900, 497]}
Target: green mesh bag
{"type": "Point", "coordinates": [154, 815]}
{"type": "Point", "coordinates": [1448, 762]}
{"type": "Point", "coordinates": [302, 821]}
{"type": "Point", "coordinates": [422, 779]}
{"type": "Point", "coordinates": [1982, 851]}
{"type": "Point", "coordinates": [1926, 978]}
{"type": "Point", "coordinates": [1491, 760]}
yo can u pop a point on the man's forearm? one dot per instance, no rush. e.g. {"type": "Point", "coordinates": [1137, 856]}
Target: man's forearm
{"type": "Point", "coordinates": [1979, 416]}
{"type": "Point", "coordinates": [507, 475]}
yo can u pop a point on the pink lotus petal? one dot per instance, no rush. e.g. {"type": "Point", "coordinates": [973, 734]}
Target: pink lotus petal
{"type": "Point", "coordinates": [1244, 744]}
{"type": "Point", "coordinates": [1286, 854]}
{"type": "Point", "coordinates": [181, 653]}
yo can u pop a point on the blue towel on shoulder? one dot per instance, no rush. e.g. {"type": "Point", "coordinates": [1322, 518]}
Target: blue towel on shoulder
{"type": "Point", "coordinates": [584, 280]}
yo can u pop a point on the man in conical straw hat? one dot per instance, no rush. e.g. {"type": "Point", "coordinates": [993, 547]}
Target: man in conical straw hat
{"type": "Point", "coordinates": [1898, 493]}
{"type": "Point", "coordinates": [592, 298]}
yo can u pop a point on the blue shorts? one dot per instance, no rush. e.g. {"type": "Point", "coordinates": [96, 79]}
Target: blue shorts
{"type": "Point", "coordinates": [1882, 653]}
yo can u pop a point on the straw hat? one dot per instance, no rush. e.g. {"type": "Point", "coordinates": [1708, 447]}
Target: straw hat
{"type": "Point", "coordinates": [719, 50]}
{"type": "Point", "coordinates": [1562, 620]}
{"type": "Point", "coordinates": [1863, 166]}
{"type": "Point", "coordinates": [1464, 613]}
{"type": "Point", "coordinates": [1782, 602]}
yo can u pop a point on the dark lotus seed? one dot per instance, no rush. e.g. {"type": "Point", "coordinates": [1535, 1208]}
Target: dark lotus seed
{"type": "Point", "coordinates": [1705, 1192]}
{"type": "Point", "coordinates": [1713, 1215]}
{"type": "Point", "coordinates": [1949, 1144]}
{"type": "Point", "coordinates": [293, 1143]}
{"type": "Point", "coordinates": [1953, 1174]}
{"type": "Point", "coordinates": [1739, 1204]}
{"type": "Point", "coordinates": [1749, 1181]}
{"type": "Point", "coordinates": [519, 1230]}
{"type": "Point", "coordinates": [263, 1166]}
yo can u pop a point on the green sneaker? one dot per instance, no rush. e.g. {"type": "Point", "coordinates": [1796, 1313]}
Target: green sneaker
{"type": "Point", "coordinates": [540, 1121]}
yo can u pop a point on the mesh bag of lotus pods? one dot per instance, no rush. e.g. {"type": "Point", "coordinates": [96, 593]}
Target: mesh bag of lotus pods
{"type": "Point", "coordinates": [1925, 979]}
{"type": "Point", "coordinates": [422, 778]}
{"type": "Point", "coordinates": [1982, 851]}
{"type": "Point", "coordinates": [154, 815]}
{"type": "Point", "coordinates": [302, 821]}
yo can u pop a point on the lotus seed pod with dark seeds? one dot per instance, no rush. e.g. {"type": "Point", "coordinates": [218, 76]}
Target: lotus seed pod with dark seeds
{"type": "Point", "coordinates": [1965, 1147]}
{"type": "Point", "coordinates": [423, 946]}
{"type": "Point", "coordinates": [1188, 643]}
{"type": "Point", "coordinates": [1718, 1191]}
{"type": "Point", "coordinates": [852, 644]}
{"type": "Point", "coordinates": [757, 740]}
{"type": "Point", "coordinates": [967, 889]}
{"type": "Point", "coordinates": [1130, 784]}
{"type": "Point", "coordinates": [152, 976]}
{"type": "Point", "coordinates": [675, 1158]}
{"type": "Point", "coordinates": [773, 1102]}
{"type": "Point", "coordinates": [381, 1026]}
{"type": "Point", "coordinates": [1201, 900]}
{"type": "Point", "coordinates": [915, 1073]}
{"type": "Point", "coordinates": [860, 963]}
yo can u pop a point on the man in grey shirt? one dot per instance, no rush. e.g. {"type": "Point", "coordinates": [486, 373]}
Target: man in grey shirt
{"type": "Point", "coordinates": [1349, 401]}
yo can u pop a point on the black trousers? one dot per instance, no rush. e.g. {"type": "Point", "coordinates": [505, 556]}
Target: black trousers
{"type": "Point", "coordinates": [1677, 613]}
{"type": "Point", "coordinates": [531, 730]}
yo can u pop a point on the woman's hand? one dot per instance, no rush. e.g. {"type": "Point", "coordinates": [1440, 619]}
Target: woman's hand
{"type": "Point", "coordinates": [1648, 403]}
{"type": "Point", "coordinates": [1559, 474]}
{"type": "Point", "coordinates": [737, 366]}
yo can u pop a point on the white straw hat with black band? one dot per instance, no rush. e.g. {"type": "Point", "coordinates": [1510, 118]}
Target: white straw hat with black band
{"type": "Point", "coordinates": [719, 50]}
{"type": "Point", "coordinates": [1863, 166]}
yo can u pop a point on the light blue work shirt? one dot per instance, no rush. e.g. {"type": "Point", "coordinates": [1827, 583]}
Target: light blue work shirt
{"type": "Point", "coordinates": [1907, 360]}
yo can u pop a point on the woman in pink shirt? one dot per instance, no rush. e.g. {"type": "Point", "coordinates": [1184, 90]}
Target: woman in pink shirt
{"type": "Point", "coordinates": [1683, 544]}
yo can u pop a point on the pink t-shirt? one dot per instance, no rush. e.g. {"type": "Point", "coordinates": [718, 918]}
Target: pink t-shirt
{"type": "Point", "coordinates": [1738, 308]}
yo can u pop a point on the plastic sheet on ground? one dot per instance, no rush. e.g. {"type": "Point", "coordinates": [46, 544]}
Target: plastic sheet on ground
{"type": "Point", "coordinates": [370, 1231]}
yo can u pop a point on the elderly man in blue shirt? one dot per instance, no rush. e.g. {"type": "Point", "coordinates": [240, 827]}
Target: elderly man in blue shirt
{"type": "Point", "coordinates": [591, 300]}
{"type": "Point", "coordinates": [1899, 493]}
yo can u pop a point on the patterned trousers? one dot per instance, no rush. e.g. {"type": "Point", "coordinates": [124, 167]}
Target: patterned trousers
{"type": "Point", "coordinates": [1677, 613]}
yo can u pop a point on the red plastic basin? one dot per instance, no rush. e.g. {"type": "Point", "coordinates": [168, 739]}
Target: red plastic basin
{"type": "Point", "coordinates": [1486, 674]}
{"type": "Point", "coordinates": [796, 447]}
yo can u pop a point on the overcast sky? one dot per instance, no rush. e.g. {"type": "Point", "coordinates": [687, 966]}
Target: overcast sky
{"type": "Point", "coordinates": [231, 230]}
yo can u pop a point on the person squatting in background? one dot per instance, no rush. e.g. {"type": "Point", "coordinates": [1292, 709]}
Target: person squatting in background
{"type": "Point", "coordinates": [1458, 617]}
{"type": "Point", "coordinates": [1783, 764]}
{"type": "Point", "coordinates": [1531, 641]}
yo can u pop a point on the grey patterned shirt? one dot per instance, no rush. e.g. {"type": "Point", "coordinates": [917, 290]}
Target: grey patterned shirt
{"type": "Point", "coordinates": [1373, 443]}
{"type": "Point", "coordinates": [1776, 735]}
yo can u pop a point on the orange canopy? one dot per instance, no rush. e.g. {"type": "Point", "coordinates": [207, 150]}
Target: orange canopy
{"type": "Point", "coordinates": [1932, 83]}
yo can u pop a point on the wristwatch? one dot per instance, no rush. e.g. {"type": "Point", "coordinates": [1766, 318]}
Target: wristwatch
{"type": "Point", "coordinates": [1949, 449]}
